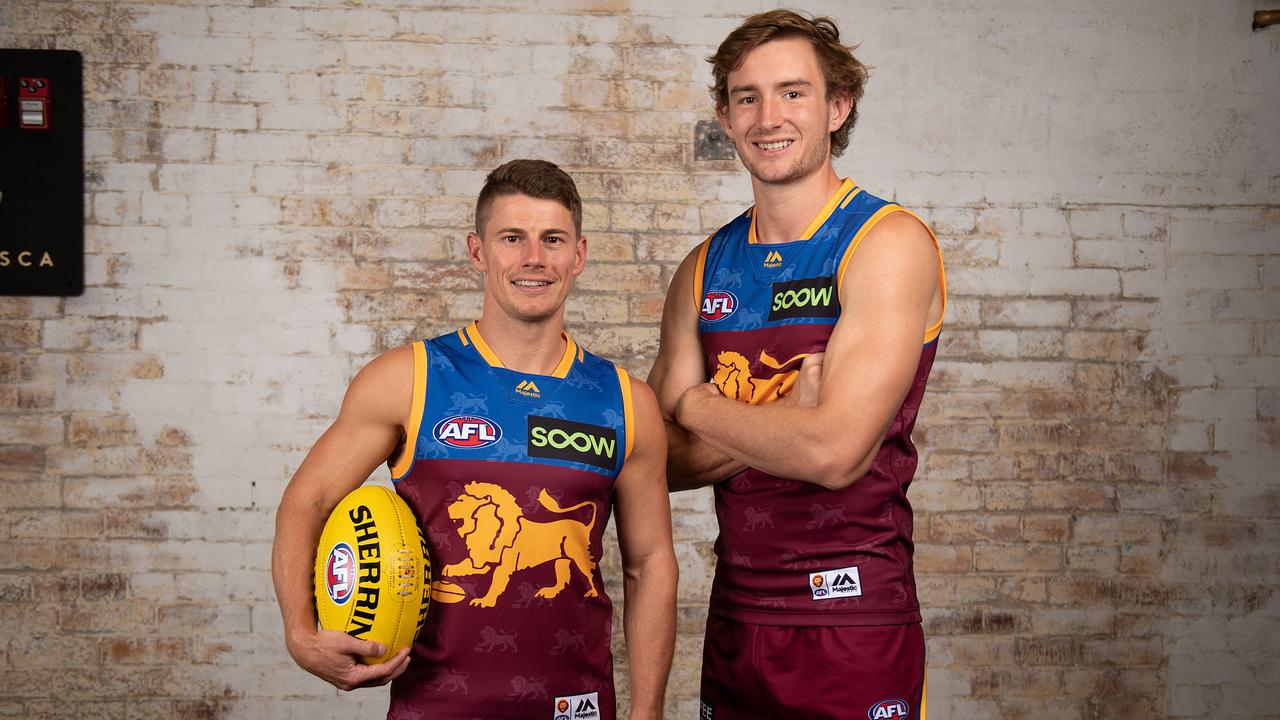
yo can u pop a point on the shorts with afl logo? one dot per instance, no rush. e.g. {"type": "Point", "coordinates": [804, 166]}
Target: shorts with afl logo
{"type": "Point", "coordinates": [817, 673]}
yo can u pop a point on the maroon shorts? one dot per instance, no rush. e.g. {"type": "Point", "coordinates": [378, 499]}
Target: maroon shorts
{"type": "Point", "coordinates": [783, 671]}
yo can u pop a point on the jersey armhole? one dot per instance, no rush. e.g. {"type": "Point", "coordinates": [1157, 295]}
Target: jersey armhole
{"type": "Point", "coordinates": [628, 411]}
{"type": "Point", "coordinates": [698, 269]}
{"type": "Point", "coordinates": [931, 333]}
{"type": "Point", "coordinates": [418, 407]}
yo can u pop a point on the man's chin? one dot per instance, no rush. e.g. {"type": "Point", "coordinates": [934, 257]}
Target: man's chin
{"type": "Point", "coordinates": [773, 175]}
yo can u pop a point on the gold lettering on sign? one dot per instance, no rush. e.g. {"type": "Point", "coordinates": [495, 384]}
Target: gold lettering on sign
{"type": "Point", "coordinates": [25, 258]}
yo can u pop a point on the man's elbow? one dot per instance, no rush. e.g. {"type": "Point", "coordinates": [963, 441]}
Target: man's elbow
{"type": "Point", "coordinates": [839, 469]}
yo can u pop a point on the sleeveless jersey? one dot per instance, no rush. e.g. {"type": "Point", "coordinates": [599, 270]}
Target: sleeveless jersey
{"type": "Point", "coordinates": [790, 552]}
{"type": "Point", "coordinates": [511, 478]}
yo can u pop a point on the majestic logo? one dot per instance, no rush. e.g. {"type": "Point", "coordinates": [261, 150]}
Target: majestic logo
{"type": "Point", "coordinates": [468, 432]}
{"type": "Point", "coordinates": [572, 441]}
{"type": "Point", "coordinates": [888, 710]}
{"type": "Point", "coordinates": [585, 707]}
{"type": "Point", "coordinates": [718, 305]}
{"type": "Point", "coordinates": [733, 377]}
{"type": "Point", "coordinates": [528, 389]}
{"type": "Point", "coordinates": [839, 583]}
{"type": "Point", "coordinates": [807, 297]}
{"type": "Point", "coordinates": [340, 571]}
{"type": "Point", "coordinates": [500, 541]}
{"type": "Point", "coordinates": [773, 259]}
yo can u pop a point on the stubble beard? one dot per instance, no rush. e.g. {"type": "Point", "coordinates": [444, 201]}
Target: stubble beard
{"type": "Point", "coordinates": [801, 168]}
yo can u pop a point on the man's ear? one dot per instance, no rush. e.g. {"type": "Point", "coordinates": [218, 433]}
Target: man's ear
{"type": "Point", "coordinates": [722, 116]}
{"type": "Point", "coordinates": [838, 106]}
{"type": "Point", "coordinates": [580, 256]}
{"type": "Point", "coordinates": [475, 251]}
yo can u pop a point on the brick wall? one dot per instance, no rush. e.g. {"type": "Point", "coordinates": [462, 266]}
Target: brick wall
{"type": "Point", "coordinates": [279, 191]}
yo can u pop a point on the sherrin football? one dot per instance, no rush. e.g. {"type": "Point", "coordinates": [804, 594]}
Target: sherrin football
{"type": "Point", "coordinates": [373, 574]}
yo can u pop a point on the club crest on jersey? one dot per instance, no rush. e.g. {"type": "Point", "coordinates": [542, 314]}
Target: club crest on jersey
{"type": "Point", "coordinates": [468, 432]}
{"type": "Point", "coordinates": [340, 571]}
{"type": "Point", "coordinates": [893, 709]}
{"type": "Point", "coordinates": [578, 707]}
{"type": "Point", "coordinates": [839, 583]}
{"type": "Point", "coordinates": [718, 305]}
{"type": "Point", "coordinates": [807, 297]}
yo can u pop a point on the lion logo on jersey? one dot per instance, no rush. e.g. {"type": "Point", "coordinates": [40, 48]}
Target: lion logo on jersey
{"type": "Point", "coordinates": [733, 377]}
{"type": "Point", "coordinates": [500, 540]}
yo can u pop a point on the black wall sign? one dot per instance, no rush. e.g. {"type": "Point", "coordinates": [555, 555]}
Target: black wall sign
{"type": "Point", "coordinates": [41, 173]}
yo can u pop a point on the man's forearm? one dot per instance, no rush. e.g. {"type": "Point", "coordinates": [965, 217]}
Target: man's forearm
{"type": "Point", "coordinates": [779, 439]}
{"type": "Point", "coordinates": [648, 623]}
{"type": "Point", "coordinates": [692, 463]}
{"type": "Point", "coordinates": [292, 561]}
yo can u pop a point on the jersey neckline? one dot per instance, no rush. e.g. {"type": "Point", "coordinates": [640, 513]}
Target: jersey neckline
{"type": "Point", "coordinates": [470, 335]}
{"type": "Point", "coordinates": [848, 189]}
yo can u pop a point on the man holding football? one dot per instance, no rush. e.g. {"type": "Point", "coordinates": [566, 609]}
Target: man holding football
{"type": "Point", "coordinates": [512, 445]}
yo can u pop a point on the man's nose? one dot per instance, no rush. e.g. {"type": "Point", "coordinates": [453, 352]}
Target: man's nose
{"type": "Point", "coordinates": [770, 112]}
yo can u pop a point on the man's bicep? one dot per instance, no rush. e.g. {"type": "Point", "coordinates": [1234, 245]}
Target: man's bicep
{"type": "Point", "coordinates": [874, 351]}
{"type": "Point", "coordinates": [642, 507]}
{"type": "Point", "coordinates": [680, 364]}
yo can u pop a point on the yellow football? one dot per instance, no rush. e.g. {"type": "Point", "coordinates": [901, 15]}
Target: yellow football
{"type": "Point", "coordinates": [373, 574]}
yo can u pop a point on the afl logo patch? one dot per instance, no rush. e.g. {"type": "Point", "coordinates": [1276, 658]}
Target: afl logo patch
{"type": "Point", "coordinates": [340, 573]}
{"type": "Point", "coordinates": [467, 432]}
{"type": "Point", "coordinates": [894, 709]}
{"type": "Point", "coordinates": [718, 305]}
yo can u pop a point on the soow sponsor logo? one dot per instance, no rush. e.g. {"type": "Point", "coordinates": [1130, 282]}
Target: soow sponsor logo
{"type": "Point", "coordinates": [575, 442]}
{"type": "Point", "coordinates": [467, 432]}
{"type": "Point", "coordinates": [807, 297]}
{"type": "Point", "coordinates": [718, 305]}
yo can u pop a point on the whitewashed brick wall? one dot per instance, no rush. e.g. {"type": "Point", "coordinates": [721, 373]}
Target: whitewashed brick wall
{"type": "Point", "coordinates": [279, 191]}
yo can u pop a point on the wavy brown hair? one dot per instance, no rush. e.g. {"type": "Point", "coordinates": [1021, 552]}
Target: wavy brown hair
{"type": "Point", "coordinates": [843, 74]}
{"type": "Point", "coordinates": [535, 178]}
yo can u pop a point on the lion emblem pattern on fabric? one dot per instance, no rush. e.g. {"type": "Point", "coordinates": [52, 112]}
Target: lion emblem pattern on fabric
{"type": "Point", "coordinates": [733, 377]}
{"type": "Point", "coordinates": [501, 541]}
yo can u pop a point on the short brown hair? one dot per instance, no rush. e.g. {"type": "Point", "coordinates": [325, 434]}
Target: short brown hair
{"type": "Point", "coordinates": [535, 178]}
{"type": "Point", "coordinates": [840, 69]}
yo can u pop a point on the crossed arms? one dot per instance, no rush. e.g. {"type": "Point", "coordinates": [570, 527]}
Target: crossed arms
{"type": "Point", "coordinates": [829, 428]}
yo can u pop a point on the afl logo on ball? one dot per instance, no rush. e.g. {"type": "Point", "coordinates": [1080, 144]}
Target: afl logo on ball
{"type": "Point", "coordinates": [467, 432]}
{"type": "Point", "coordinates": [718, 305]}
{"type": "Point", "coordinates": [340, 573]}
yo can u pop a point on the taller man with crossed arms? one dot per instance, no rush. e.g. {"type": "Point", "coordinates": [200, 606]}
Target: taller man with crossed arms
{"type": "Point", "coordinates": [796, 342]}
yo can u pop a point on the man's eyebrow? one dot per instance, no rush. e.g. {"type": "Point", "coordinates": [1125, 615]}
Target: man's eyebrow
{"type": "Point", "coordinates": [784, 84]}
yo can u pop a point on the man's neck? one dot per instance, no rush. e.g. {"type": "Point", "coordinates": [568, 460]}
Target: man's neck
{"type": "Point", "coordinates": [527, 347]}
{"type": "Point", "coordinates": [783, 211]}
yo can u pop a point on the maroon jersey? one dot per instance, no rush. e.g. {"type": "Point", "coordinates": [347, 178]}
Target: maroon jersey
{"type": "Point", "coordinates": [511, 477]}
{"type": "Point", "coordinates": [789, 552]}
